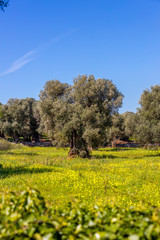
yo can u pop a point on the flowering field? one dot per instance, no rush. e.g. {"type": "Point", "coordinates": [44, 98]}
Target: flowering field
{"type": "Point", "coordinates": [126, 177]}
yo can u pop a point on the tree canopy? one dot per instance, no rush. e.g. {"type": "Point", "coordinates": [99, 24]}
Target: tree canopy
{"type": "Point", "coordinates": [83, 115]}
{"type": "Point", "coordinates": [129, 124]}
{"type": "Point", "coordinates": [19, 118]}
{"type": "Point", "coordinates": [78, 114]}
{"type": "Point", "coordinates": [115, 130]}
{"type": "Point", "coordinates": [148, 116]}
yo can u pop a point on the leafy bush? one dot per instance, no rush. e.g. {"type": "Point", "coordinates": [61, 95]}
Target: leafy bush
{"type": "Point", "coordinates": [5, 145]}
{"type": "Point", "coordinates": [27, 217]}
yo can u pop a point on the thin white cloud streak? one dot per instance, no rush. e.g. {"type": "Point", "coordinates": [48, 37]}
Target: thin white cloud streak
{"type": "Point", "coordinates": [19, 63]}
{"type": "Point", "coordinates": [29, 56]}
{"type": "Point", "coordinates": [55, 40]}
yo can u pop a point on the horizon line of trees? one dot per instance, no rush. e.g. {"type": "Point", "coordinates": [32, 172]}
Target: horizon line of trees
{"type": "Point", "coordinates": [83, 115]}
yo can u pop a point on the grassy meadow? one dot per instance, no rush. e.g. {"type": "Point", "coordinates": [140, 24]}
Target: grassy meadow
{"type": "Point", "coordinates": [123, 177]}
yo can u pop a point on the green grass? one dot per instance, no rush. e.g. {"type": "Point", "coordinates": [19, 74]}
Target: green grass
{"type": "Point", "coordinates": [127, 177]}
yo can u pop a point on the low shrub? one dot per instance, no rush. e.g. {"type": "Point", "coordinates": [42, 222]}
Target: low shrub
{"type": "Point", "coordinates": [5, 145]}
{"type": "Point", "coordinates": [27, 217]}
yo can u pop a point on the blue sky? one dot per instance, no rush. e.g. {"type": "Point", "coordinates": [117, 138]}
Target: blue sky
{"type": "Point", "coordinates": [114, 39]}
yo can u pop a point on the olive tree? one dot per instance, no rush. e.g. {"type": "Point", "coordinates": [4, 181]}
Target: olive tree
{"type": "Point", "coordinates": [129, 125]}
{"type": "Point", "coordinates": [79, 114]}
{"type": "Point", "coordinates": [123, 127]}
{"type": "Point", "coordinates": [148, 117]}
{"type": "Point", "coordinates": [20, 119]}
{"type": "Point", "coordinates": [116, 130]}
{"type": "Point", "coordinates": [1, 132]}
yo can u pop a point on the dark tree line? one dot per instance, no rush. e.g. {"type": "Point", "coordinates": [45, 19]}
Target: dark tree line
{"type": "Point", "coordinates": [83, 115]}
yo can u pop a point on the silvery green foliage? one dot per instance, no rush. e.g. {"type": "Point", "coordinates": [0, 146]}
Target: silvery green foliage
{"type": "Point", "coordinates": [5, 145]}
{"type": "Point", "coordinates": [122, 127]}
{"type": "Point", "coordinates": [79, 114]}
{"type": "Point", "coordinates": [52, 106]}
{"type": "Point", "coordinates": [130, 121]}
{"type": "Point", "coordinates": [20, 118]}
{"type": "Point", "coordinates": [148, 117]}
{"type": "Point", "coordinates": [116, 130]}
{"type": "Point", "coordinates": [0, 121]}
